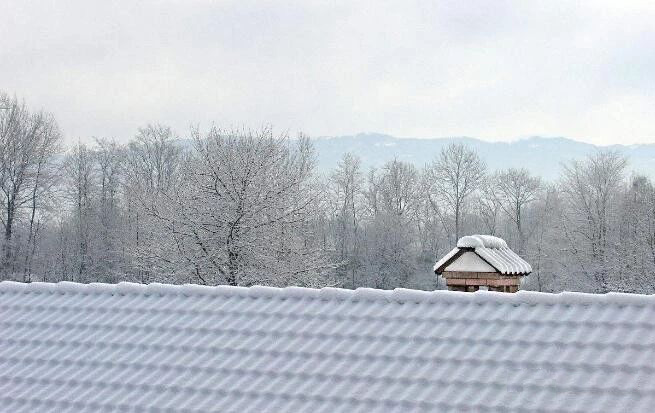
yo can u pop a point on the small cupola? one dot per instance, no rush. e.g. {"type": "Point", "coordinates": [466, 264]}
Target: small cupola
{"type": "Point", "coordinates": [482, 261]}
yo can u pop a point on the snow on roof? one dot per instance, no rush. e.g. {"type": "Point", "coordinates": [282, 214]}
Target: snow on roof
{"type": "Point", "coordinates": [481, 241]}
{"type": "Point", "coordinates": [445, 259]}
{"type": "Point", "coordinates": [96, 347]}
{"type": "Point", "coordinates": [493, 250]}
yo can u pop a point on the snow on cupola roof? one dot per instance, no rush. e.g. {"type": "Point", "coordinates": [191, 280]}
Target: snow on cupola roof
{"type": "Point", "coordinates": [481, 241]}
{"type": "Point", "coordinates": [492, 250]}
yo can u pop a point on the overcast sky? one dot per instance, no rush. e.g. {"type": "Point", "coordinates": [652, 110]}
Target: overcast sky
{"type": "Point", "coordinates": [496, 70]}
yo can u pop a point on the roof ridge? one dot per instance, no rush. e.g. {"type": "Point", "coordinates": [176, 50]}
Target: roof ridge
{"type": "Point", "coordinates": [481, 241]}
{"type": "Point", "coordinates": [401, 295]}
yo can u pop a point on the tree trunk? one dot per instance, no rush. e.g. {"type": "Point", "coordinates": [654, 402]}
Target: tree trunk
{"type": "Point", "coordinates": [8, 250]}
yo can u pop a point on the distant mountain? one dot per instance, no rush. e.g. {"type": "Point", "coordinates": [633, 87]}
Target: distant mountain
{"type": "Point", "coordinates": [542, 156]}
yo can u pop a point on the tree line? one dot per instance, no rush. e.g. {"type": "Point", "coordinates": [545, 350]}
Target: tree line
{"type": "Point", "coordinates": [245, 207]}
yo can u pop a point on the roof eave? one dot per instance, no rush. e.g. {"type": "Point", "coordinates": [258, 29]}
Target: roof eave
{"type": "Point", "coordinates": [443, 266]}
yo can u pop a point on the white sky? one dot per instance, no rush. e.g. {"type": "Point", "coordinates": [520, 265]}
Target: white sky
{"type": "Point", "coordinates": [493, 69]}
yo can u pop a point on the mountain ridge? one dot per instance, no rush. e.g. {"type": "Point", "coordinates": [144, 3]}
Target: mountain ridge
{"type": "Point", "coordinates": [542, 156]}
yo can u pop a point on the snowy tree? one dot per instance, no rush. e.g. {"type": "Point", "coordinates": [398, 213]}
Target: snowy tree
{"type": "Point", "coordinates": [245, 206]}
{"type": "Point", "coordinates": [392, 197]}
{"type": "Point", "coordinates": [345, 190]}
{"type": "Point", "coordinates": [81, 187]}
{"type": "Point", "coordinates": [546, 251]}
{"type": "Point", "coordinates": [591, 191]}
{"type": "Point", "coordinates": [153, 174]}
{"type": "Point", "coordinates": [634, 258]}
{"type": "Point", "coordinates": [489, 206]}
{"type": "Point", "coordinates": [455, 175]}
{"type": "Point", "coordinates": [515, 190]}
{"type": "Point", "coordinates": [28, 143]}
{"type": "Point", "coordinates": [109, 157]}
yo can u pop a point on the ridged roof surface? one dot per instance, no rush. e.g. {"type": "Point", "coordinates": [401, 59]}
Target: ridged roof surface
{"type": "Point", "coordinates": [88, 348]}
{"type": "Point", "coordinates": [493, 250]}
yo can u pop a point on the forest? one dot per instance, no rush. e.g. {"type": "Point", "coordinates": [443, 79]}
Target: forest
{"type": "Point", "coordinates": [245, 207]}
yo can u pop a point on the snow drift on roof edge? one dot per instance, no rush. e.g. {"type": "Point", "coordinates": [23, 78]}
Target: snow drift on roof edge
{"type": "Point", "coordinates": [399, 295]}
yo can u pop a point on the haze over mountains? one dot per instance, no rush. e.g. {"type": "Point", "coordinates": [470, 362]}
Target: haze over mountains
{"type": "Point", "coordinates": [541, 156]}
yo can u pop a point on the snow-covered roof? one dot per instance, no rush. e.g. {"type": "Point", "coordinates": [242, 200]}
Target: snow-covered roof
{"type": "Point", "coordinates": [87, 348]}
{"type": "Point", "coordinates": [491, 249]}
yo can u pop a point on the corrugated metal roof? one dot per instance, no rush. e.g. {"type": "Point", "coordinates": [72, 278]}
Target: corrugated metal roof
{"type": "Point", "coordinates": [89, 348]}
